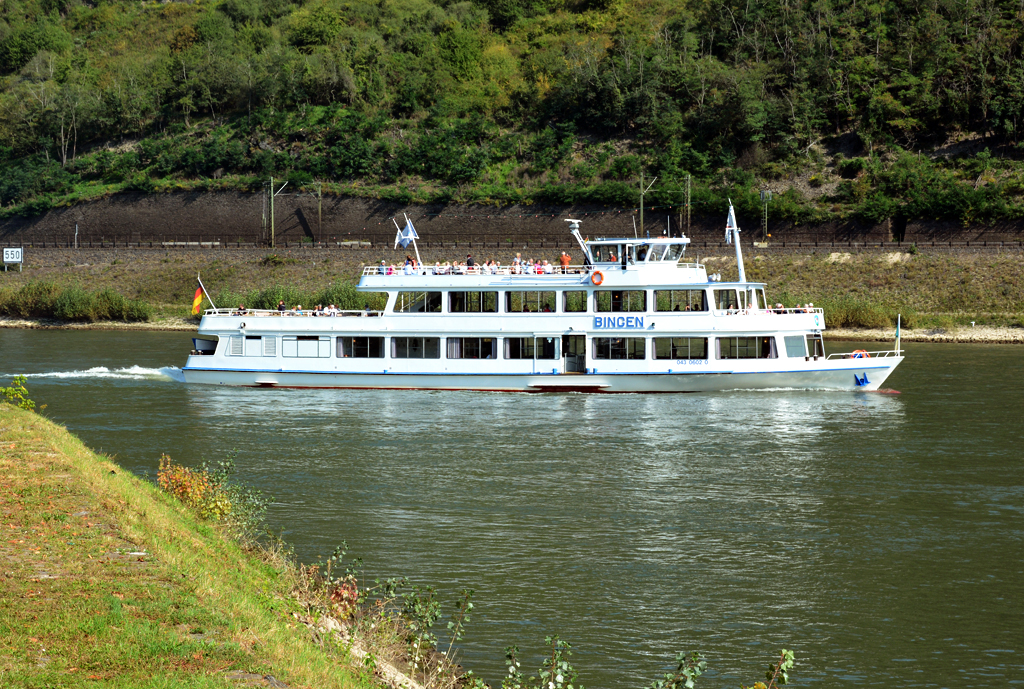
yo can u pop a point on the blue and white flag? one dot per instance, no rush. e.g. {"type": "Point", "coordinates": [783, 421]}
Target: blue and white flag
{"type": "Point", "coordinates": [406, 235]}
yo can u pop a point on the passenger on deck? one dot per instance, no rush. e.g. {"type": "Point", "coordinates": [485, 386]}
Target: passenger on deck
{"type": "Point", "coordinates": [469, 261]}
{"type": "Point", "coordinates": [564, 260]}
{"type": "Point", "coordinates": [383, 268]}
{"type": "Point", "coordinates": [241, 311]}
{"type": "Point", "coordinates": [281, 308]}
{"type": "Point", "coordinates": [332, 310]}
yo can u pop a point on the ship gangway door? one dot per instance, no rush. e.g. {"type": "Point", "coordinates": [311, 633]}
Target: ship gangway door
{"type": "Point", "coordinates": [574, 353]}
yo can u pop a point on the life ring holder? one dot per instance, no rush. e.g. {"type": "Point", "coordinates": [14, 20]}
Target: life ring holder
{"type": "Point", "coordinates": [597, 278]}
{"type": "Point", "coordinates": [860, 354]}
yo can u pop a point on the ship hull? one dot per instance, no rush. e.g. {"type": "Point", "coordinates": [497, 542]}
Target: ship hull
{"type": "Point", "coordinates": [850, 374]}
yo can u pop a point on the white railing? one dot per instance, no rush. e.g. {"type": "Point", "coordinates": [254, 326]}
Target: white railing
{"type": "Point", "coordinates": [882, 354]}
{"type": "Point", "coordinates": [520, 271]}
{"type": "Point", "coordinates": [287, 314]}
{"type": "Point", "coordinates": [767, 312]}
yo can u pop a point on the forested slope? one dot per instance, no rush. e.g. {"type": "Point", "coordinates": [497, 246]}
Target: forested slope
{"type": "Point", "coordinates": [844, 108]}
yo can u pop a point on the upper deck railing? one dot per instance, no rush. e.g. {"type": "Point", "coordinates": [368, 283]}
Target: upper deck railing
{"type": "Point", "coordinates": [861, 354]}
{"type": "Point", "coordinates": [769, 312]}
{"type": "Point", "coordinates": [290, 313]}
{"type": "Point", "coordinates": [510, 270]}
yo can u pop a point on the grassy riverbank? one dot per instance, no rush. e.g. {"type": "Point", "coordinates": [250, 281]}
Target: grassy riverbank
{"type": "Point", "coordinates": [980, 295]}
{"type": "Point", "coordinates": [109, 582]}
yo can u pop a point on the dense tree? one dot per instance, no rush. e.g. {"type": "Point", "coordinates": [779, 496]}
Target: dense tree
{"type": "Point", "coordinates": [519, 99]}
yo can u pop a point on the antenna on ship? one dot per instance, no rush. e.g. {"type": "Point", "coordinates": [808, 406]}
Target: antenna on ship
{"type": "Point", "coordinates": [732, 236]}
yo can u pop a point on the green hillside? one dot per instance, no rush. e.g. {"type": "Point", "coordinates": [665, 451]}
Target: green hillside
{"type": "Point", "coordinates": [846, 109]}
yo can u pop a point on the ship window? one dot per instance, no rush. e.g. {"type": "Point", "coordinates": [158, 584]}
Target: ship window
{"type": "Point", "coordinates": [606, 253]}
{"type": "Point", "coordinates": [746, 348]}
{"type": "Point", "coordinates": [574, 302]}
{"type": "Point", "coordinates": [529, 302]}
{"type": "Point", "coordinates": [621, 300]}
{"type": "Point", "coordinates": [674, 252]}
{"type": "Point", "coordinates": [815, 346]}
{"type": "Point", "coordinates": [726, 299]}
{"type": "Point", "coordinates": [795, 346]}
{"type": "Point", "coordinates": [619, 348]}
{"type": "Point", "coordinates": [472, 348]}
{"type": "Point", "coordinates": [531, 347]}
{"type": "Point", "coordinates": [680, 348]}
{"type": "Point", "coordinates": [415, 348]}
{"type": "Point", "coordinates": [270, 346]}
{"type": "Point", "coordinates": [757, 299]}
{"type": "Point", "coordinates": [252, 345]}
{"type": "Point", "coordinates": [656, 252]}
{"type": "Point", "coordinates": [236, 345]}
{"type": "Point", "coordinates": [473, 302]}
{"type": "Point", "coordinates": [681, 300]}
{"type": "Point", "coordinates": [361, 347]}
{"type": "Point", "coordinates": [418, 302]}
{"type": "Point", "coordinates": [306, 346]}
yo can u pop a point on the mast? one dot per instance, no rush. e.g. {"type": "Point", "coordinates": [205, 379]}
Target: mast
{"type": "Point", "coordinates": [574, 228]}
{"type": "Point", "coordinates": [732, 236]}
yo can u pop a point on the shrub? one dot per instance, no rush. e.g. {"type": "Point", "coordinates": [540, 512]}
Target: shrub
{"type": "Point", "coordinates": [36, 299]}
{"type": "Point", "coordinates": [850, 312]}
{"type": "Point", "coordinates": [39, 299]}
{"type": "Point", "coordinates": [17, 394]}
{"type": "Point", "coordinates": [209, 492]}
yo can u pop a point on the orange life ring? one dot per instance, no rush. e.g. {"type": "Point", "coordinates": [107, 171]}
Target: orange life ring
{"type": "Point", "coordinates": [860, 354]}
{"type": "Point", "coordinates": [597, 278]}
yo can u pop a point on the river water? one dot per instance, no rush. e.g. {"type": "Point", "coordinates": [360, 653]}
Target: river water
{"type": "Point", "coordinates": [880, 536]}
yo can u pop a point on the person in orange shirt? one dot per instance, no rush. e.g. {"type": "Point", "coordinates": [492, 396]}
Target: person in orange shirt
{"type": "Point", "coordinates": [565, 259]}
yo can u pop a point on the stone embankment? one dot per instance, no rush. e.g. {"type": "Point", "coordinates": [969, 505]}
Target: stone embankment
{"type": "Point", "coordinates": [244, 218]}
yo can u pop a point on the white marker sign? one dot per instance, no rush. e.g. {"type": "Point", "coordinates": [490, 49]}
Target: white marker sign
{"type": "Point", "coordinates": [12, 255]}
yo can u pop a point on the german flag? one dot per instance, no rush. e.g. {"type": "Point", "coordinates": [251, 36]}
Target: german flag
{"type": "Point", "coordinates": [197, 301]}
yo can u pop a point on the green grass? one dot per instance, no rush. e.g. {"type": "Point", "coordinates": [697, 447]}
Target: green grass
{"type": "Point", "coordinates": [110, 583]}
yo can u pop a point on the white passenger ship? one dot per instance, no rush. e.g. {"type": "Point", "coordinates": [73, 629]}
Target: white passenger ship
{"type": "Point", "coordinates": [633, 318]}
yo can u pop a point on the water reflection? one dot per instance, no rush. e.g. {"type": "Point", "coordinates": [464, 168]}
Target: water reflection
{"type": "Point", "coordinates": [875, 534]}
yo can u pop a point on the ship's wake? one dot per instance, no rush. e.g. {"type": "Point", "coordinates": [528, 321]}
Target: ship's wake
{"type": "Point", "coordinates": [130, 373]}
